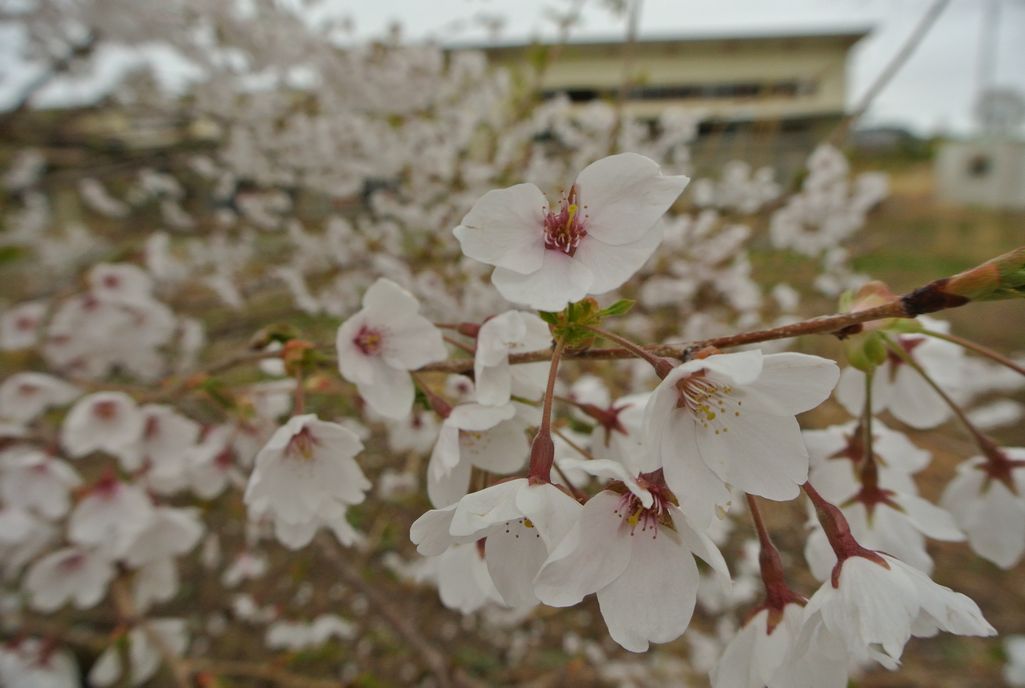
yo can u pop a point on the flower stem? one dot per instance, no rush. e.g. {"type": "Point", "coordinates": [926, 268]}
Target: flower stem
{"type": "Point", "coordinates": [869, 468]}
{"type": "Point", "coordinates": [300, 395]}
{"type": "Point", "coordinates": [985, 444]}
{"type": "Point", "coordinates": [661, 365]}
{"type": "Point", "coordinates": [977, 348]}
{"type": "Point", "coordinates": [777, 593]}
{"type": "Point", "coordinates": [542, 449]}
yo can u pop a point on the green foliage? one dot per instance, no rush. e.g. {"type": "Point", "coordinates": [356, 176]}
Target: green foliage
{"type": "Point", "coordinates": [573, 324]}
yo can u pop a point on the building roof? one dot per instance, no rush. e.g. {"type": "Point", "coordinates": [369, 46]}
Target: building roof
{"type": "Point", "coordinates": [849, 33]}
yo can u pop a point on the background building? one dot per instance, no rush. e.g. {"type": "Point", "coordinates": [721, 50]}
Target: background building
{"type": "Point", "coordinates": [757, 95]}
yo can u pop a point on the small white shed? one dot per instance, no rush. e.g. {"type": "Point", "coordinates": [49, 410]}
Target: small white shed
{"type": "Point", "coordinates": [987, 172]}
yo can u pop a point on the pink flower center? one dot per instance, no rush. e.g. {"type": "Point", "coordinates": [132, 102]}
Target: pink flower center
{"type": "Point", "coordinates": [25, 323]}
{"type": "Point", "coordinates": [105, 410]}
{"type": "Point", "coordinates": [368, 340]}
{"type": "Point", "coordinates": [564, 230]}
{"type": "Point", "coordinates": [634, 513]}
{"type": "Point", "coordinates": [303, 444]}
{"type": "Point", "coordinates": [72, 562]}
{"type": "Point", "coordinates": [111, 281]}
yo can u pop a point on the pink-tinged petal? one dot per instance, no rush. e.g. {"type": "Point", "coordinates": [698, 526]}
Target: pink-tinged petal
{"type": "Point", "coordinates": [446, 487]}
{"type": "Point", "coordinates": [480, 510]}
{"type": "Point", "coordinates": [758, 453]}
{"type": "Point", "coordinates": [390, 393]}
{"type": "Point", "coordinates": [388, 300]}
{"type": "Point", "coordinates": [593, 554]}
{"type": "Point", "coordinates": [552, 511]}
{"type": "Point", "coordinates": [701, 493]}
{"type": "Point", "coordinates": [873, 604]}
{"type": "Point", "coordinates": [503, 449]}
{"type": "Point", "coordinates": [653, 600]}
{"type": "Point", "coordinates": [928, 518]}
{"type": "Point", "coordinates": [914, 402]}
{"type": "Point", "coordinates": [942, 608]}
{"type": "Point", "coordinates": [514, 554]}
{"type": "Point", "coordinates": [612, 265]}
{"type": "Point", "coordinates": [850, 390]}
{"type": "Point", "coordinates": [559, 280]}
{"type": "Point", "coordinates": [497, 335]}
{"type": "Point", "coordinates": [430, 532]}
{"type": "Point", "coordinates": [610, 470]}
{"type": "Point", "coordinates": [976, 506]}
{"type": "Point", "coordinates": [741, 368]}
{"type": "Point", "coordinates": [794, 382]}
{"type": "Point", "coordinates": [505, 228]}
{"type": "Point", "coordinates": [700, 545]}
{"type": "Point", "coordinates": [477, 417]}
{"type": "Point", "coordinates": [624, 195]}
{"type": "Point", "coordinates": [414, 343]}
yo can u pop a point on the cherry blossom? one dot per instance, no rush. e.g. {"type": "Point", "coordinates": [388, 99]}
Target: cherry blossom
{"type": "Point", "coordinates": [636, 551]}
{"type": "Point", "coordinates": [24, 396]}
{"type": "Point", "coordinates": [32, 663]}
{"type": "Point", "coordinates": [986, 493]}
{"type": "Point", "coordinates": [19, 326]}
{"type": "Point", "coordinates": [461, 574]}
{"type": "Point", "coordinates": [71, 574]}
{"type": "Point", "coordinates": [490, 437]}
{"type": "Point", "coordinates": [605, 228]}
{"type": "Point", "coordinates": [305, 477]}
{"type": "Point", "coordinates": [378, 344]}
{"type": "Point", "coordinates": [32, 479]}
{"type": "Point", "coordinates": [110, 516]}
{"type": "Point", "coordinates": [729, 419]}
{"type": "Point", "coordinates": [877, 600]}
{"type": "Point", "coordinates": [104, 421]}
{"type": "Point", "coordinates": [520, 523]}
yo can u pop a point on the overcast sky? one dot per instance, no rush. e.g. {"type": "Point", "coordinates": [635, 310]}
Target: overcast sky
{"type": "Point", "coordinates": [934, 92]}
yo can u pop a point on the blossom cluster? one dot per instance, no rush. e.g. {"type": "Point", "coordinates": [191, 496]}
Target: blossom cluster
{"type": "Point", "coordinates": [164, 495]}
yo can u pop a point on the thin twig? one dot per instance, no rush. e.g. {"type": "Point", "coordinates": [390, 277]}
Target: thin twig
{"type": "Point", "coordinates": [829, 324]}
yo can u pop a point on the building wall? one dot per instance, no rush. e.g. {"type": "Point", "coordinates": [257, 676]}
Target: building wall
{"type": "Point", "coordinates": [772, 78]}
{"type": "Point", "coordinates": [985, 173]}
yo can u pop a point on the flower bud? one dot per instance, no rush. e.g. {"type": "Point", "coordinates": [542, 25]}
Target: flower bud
{"type": "Point", "coordinates": [1000, 278]}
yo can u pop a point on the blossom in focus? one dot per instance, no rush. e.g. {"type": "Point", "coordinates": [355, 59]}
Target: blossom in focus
{"type": "Point", "coordinates": [520, 523]}
{"type": "Point", "coordinates": [875, 600]}
{"type": "Point", "coordinates": [636, 550]}
{"type": "Point", "coordinates": [382, 342]}
{"type": "Point", "coordinates": [605, 228]}
{"type": "Point", "coordinates": [305, 477]}
{"type": "Point", "coordinates": [729, 419]}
